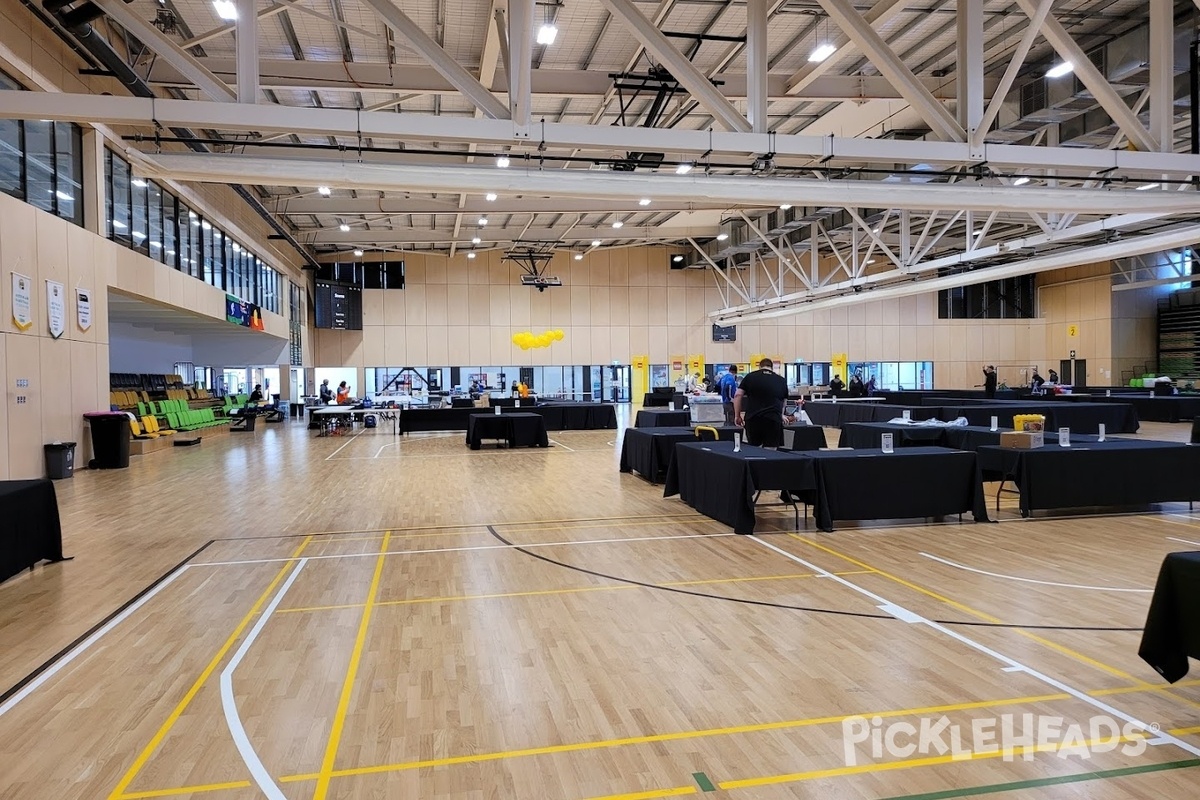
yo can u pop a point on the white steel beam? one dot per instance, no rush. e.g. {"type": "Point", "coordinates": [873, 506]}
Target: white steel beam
{"type": "Point", "coordinates": [602, 140]}
{"type": "Point", "coordinates": [520, 66]}
{"type": "Point", "coordinates": [1011, 73]}
{"type": "Point", "coordinates": [439, 59]}
{"type": "Point", "coordinates": [267, 171]}
{"type": "Point", "coordinates": [491, 235]}
{"type": "Point", "coordinates": [166, 49]}
{"type": "Point", "coordinates": [970, 65]}
{"type": "Point", "coordinates": [247, 52]}
{"type": "Point", "coordinates": [1097, 84]}
{"type": "Point", "coordinates": [1162, 73]}
{"type": "Point", "coordinates": [756, 64]}
{"type": "Point", "coordinates": [878, 14]}
{"type": "Point", "coordinates": [679, 66]}
{"type": "Point", "coordinates": [940, 121]}
{"type": "Point", "coordinates": [218, 32]}
{"type": "Point", "coordinates": [844, 294]}
{"type": "Point", "coordinates": [476, 204]}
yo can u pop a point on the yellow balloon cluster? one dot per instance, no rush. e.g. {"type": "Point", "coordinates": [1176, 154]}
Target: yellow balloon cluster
{"type": "Point", "coordinates": [527, 339]}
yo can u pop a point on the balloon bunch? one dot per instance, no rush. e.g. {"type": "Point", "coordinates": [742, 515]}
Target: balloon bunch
{"type": "Point", "coordinates": [526, 339]}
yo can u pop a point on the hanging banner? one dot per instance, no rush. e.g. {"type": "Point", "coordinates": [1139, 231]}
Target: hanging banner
{"type": "Point", "coordinates": [83, 308]}
{"type": "Point", "coordinates": [239, 312]}
{"type": "Point", "coordinates": [56, 308]}
{"type": "Point", "coordinates": [22, 303]}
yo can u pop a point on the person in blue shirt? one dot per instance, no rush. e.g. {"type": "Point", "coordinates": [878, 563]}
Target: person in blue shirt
{"type": "Point", "coordinates": [727, 386]}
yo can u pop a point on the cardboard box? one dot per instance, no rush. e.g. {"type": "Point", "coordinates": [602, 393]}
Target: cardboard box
{"type": "Point", "coordinates": [1022, 440]}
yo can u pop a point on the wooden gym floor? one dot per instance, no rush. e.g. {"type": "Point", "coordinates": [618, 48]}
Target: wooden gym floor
{"type": "Point", "coordinates": [404, 618]}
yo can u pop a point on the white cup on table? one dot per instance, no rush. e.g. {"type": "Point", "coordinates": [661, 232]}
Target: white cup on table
{"type": "Point", "coordinates": [737, 443]}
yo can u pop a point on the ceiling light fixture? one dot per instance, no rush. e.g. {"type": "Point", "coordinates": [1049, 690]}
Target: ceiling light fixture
{"type": "Point", "coordinates": [482, 221]}
{"type": "Point", "coordinates": [475, 240]}
{"type": "Point", "coordinates": [684, 168]}
{"type": "Point", "coordinates": [358, 253]}
{"type": "Point", "coordinates": [324, 191]}
{"type": "Point", "coordinates": [226, 9]}
{"type": "Point", "coordinates": [595, 242]}
{"type": "Point", "coordinates": [645, 201]}
{"type": "Point", "coordinates": [1148, 186]}
{"type": "Point", "coordinates": [618, 224]}
{"type": "Point", "coordinates": [1021, 181]}
{"type": "Point", "coordinates": [470, 255]}
{"type": "Point", "coordinates": [502, 162]}
{"type": "Point", "coordinates": [1059, 70]}
{"type": "Point", "coordinates": [784, 206]}
{"type": "Point", "coordinates": [677, 259]}
{"type": "Point", "coordinates": [344, 228]}
{"type": "Point", "coordinates": [579, 256]}
{"type": "Point", "coordinates": [822, 52]}
{"type": "Point", "coordinates": [547, 33]}
{"type": "Point", "coordinates": [722, 237]}
{"type": "Point", "coordinates": [490, 197]}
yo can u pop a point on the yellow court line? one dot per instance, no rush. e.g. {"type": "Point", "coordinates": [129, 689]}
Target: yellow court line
{"type": "Point", "coordinates": [678, 791]}
{"type": "Point", "coordinates": [140, 762]}
{"type": "Point", "coordinates": [1185, 731]}
{"type": "Point", "coordinates": [203, 787]}
{"type": "Point", "coordinates": [339, 718]}
{"type": "Point", "coordinates": [543, 592]}
{"type": "Point", "coordinates": [979, 614]}
{"type": "Point", "coordinates": [861, 769]}
{"type": "Point", "coordinates": [692, 515]}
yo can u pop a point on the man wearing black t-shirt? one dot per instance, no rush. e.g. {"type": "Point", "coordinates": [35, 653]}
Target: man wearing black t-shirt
{"type": "Point", "coordinates": [758, 406]}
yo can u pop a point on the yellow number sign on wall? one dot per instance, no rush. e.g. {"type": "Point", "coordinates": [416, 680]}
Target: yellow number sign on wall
{"type": "Point", "coordinates": [1073, 331]}
{"type": "Point", "coordinates": [838, 364]}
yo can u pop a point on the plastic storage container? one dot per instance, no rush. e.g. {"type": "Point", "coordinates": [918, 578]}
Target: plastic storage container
{"type": "Point", "coordinates": [110, 439]}
{"type": "Point", "coordinates": [706, 409]}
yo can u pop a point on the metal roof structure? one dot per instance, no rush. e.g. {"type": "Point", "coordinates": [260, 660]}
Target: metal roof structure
{"type": "Point", "coordinates": [928, 142]}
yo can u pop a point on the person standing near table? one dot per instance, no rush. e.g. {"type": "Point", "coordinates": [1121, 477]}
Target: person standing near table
{"type": "Point", "coordinates": [1052, 377]}
{"type": "Point", "coordinates": [989, 382]}
{"type": "Point", "coordinates": [343, 394]}
{"type": "Point", "coordinates": [728, 386]}
{"type": "Point", "coordinates": [758, 406]}
{"type": "Point", "coordinates": [836, 387]}
{"type": "Point", "coordinates": [857, 387]}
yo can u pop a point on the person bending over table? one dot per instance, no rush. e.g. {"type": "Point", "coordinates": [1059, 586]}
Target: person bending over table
{"type": "Point", "coordinates": [758, 406]}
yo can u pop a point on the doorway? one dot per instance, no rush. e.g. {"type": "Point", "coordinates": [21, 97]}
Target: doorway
{"type": "Point", "coordinates": [616, 385]}
{"type": "Point", "coordinates": [1076, 377]}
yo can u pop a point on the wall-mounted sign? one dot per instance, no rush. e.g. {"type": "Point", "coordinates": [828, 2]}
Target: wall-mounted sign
{"type": "Point", "coordinates": [83, 308]}
{"type": "Point", "coordinates": [240, 312]}
{"type": "Point", "coordinates": [22, 303]}
{"type": "Point", "coordinates": [56, 308]}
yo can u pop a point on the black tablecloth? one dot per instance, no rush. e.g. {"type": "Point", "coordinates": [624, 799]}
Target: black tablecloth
{"type": "Point", "coordinates": [1087, 417]}
{"type": "Point", "coordinates": [1151, 409]}
{"type": "Point", "coordinates": [957, 437]}
{"type": "Point", "coordinates": [656, 400]}
{"type": "Point", "coordinates": [1118, 472]}
{"type": "Point", "coordinates": [516, 429]}
{"type": "Point", "coordinates": [909, 483]}
{"type": "Point", "coordinates": [1172, 631]}
{"type": "Point", "coordinates": [556, 416]}
{"type": "Point", "coordinates": [649, 451]}
{"type": "Point", "coordinates": [722, 484]}
{"type": "Point", "coordinates": [982, 413]}
{"type": "Point", "coordinates": [805, 437]}
{"type": "Point", "coordinates": [29, 527]}
{"type": "Point", "coordinates": [655, 418]}
{"type": "Point", "coordinates": [835, 415]}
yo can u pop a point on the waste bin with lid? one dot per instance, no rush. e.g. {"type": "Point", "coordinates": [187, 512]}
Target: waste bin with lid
{"type": "Point", "coordinates": [110, 439]}
{"type": "Point", "coordinates": [60, 460]}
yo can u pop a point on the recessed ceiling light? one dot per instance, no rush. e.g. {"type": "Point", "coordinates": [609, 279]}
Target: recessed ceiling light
{"type": "Point", "coordinates": [358, 253]}
{"type": "Point", "coordinates": [618, 224]}
{"type": "Point", "coordinates": [579, 256]}
{"type": "Point", "coordinates": [645, 201]}
{"type": "Point", "coordinates": [1148, 186]}
{"type": "Point", "coordinates": [475, 240]}
{"type": "Point", "coordinates": [490, 197]}
{"type": "Point", "coordinates": [482, 221]}
{"type": "Point", "coordinates": [502, 162]}
{"type": "Point", "coordinates": [344, 228]}
{"type": "Point", "coordinates": [1059, 70]}
{"type": "Point", "coordinates": [595, 242]}
{"type": "Point", "coordinates": [784, 206]}
{"type": "Point", "coordinates": [226, 9]}
{"type": "Point", "coordinates": [470, 255]}
{"type": "Point", "coordinates": [1021, 181]}
{"type": "Point", "coordinates": [684, 168]}
{"type": "Point", "coordinates": [876, 230]}
{"type": "Point", "coordinates": [722, 237]}
{"type": "Point", "coordinates": [324, 191]}
{"type": "Point", "coordinates": [821, 52]}
{"type": "Point", "coordinates": [677, 259]}
{"type": "Point", "coordinates": [547, 33]}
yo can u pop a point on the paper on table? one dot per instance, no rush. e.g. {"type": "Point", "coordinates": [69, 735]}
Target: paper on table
{"type": "Point", "coordinates": [1064, 437]}
{"type": "Point", "coordinates": [887, 442]}
{"type": "Point", "coordinates": [995, 423]}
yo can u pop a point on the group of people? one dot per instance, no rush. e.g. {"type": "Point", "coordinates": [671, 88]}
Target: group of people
{"type": "Point", "coordinates": [327, 395]}
{"type": "Point", "coordinates": [856, 388]}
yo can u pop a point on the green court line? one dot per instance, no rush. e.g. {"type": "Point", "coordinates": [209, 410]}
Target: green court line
{"type": "Point", "coordinates": [996, 788]}
{"type": "Point", "coordinates": [703, 782]}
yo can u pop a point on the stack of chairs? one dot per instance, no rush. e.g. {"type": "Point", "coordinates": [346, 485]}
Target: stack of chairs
{"type": "Point", "coordinates": [182, 418]}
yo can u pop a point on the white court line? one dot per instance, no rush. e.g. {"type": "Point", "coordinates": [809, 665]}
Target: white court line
{"type": "Point", "coordinates": [1032, 580]}
{"type": "Point", "coordinates": [82, 647]}
{"type": "Point", "coordinates": [348, 441]}
{"type": "Point", "coordinates": [1184, 541]}
{"type": "Point", "coordinates": [560, 444]}
{"type": "Point", "coordinates": [908, 616]}
{"type": "Point", "coordinates": [381, 449]}
{"type": "Point", "coordinates": [229, 703]}
{"type": "Point", "coordinates": [463, 549]}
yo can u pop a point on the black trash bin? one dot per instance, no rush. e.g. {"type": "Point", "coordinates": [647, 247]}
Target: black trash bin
{"type": "Point", "coordinates": [60, 460]}
{"type": "Point", "coordinates": [110, 439]}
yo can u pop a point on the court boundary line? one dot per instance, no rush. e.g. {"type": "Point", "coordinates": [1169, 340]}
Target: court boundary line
{"type": "Point", "coordinates": [348, 441]}
{"type": "Point", "coordinates": [1020, 579]}
{"type": "Point", "coordinates": [233, 720]}
{"type": "Point", "coordinates": [68, 653]}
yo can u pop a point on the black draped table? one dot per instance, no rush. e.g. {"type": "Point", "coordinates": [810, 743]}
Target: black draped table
{"type": "Point", "coordinates": [862, 435]}
{"type": "Point", "coordinates": [1172, 632]}
{"type": "Point", "coordinates": [663, 400]}
{"type": "Point", "coordinates": [657, 418]}
{"type": "Point", "coordinates": [515, 429]}
{"type": "Point", "coordinates": [843, 484]}
{"type": "Point", "coordinates": [1171, 408]}
{"type": "Point", "coordinates": [649, 451]}
{"type": "Point", "coordinates": [1117, 472]}
{"type": "Point", "coordinates": [556, 416]}
{"type": "Point", "coordinates": [567, 416]}
{"type": "Point", "coordinates": [29, 527]}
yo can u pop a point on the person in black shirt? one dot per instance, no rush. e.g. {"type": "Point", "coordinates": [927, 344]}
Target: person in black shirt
{"type": "Point", "coordinates": [989, 381]}
{"type": "Point", "coordinates": [1037, 381]}
{"type": "Point", "coordinates": [857, 387]}
{"type": "Point", "coordinates": [758, 406]}
{"type": "Point", "coordinates": [257, 395]}
{"type": "Point", "coordinates": [836, 387]}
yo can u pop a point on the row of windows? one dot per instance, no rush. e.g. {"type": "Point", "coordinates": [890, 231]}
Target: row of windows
{"type": "Point", "coordinates": [1012, 298]}
{"type": "Point", "coordinates": [295, 324]}
{"type": "Point", "coordinates": [149, 219]}
{"type": "Point", "coordinates": [41, 163]}
{"type": "Point", "coordinates": [373, 275]}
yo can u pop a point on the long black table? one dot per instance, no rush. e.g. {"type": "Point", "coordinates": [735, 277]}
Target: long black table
{"type": "Point", "coordinates": [661, 418]}
{"type": "Point", "coordinates": [1172, 632]}
{"type": "Point", "coordinates": [557, 417]}
{"type": "Point", "coordinates": [657, 400]}
{"type": "Point", "coordinates": [842, 484]}
{"type": "Point", "coordinates": [835, 415]}
{"type": "Point", "coordinates": [515, 429]}
{"type": "Point", "coordinates": [1174, 408]}
{"type": "Point", "coordinates": [649, 451]}
{"type": "Point", "coordinates": [29, 526]}
{"type": "Point", "coordinates": [1117, 472]}
{"type": "Point", "coordinates": [861, 435]}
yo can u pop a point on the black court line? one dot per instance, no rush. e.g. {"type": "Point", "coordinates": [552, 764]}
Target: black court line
{"type": "Point", "coordinates": [50, 662]}
{"type": "Point", "coordinates": [785, 606]}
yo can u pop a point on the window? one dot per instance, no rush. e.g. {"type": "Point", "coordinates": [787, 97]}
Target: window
{"type": "Point", "coordinates": [138, 206]}
{"type": "Point", "coordinates": [41, 163]}
{"type": "Point", "coordinates": [68, 171]}
{"type": "Point", "coordinates": [375, 275]}
{"type": "Point", "coordinates": [154, 211]}
{"type": "Point", "coordinates": [296, 323]}
{"type": "Point", "coordinates": [1012, 298]}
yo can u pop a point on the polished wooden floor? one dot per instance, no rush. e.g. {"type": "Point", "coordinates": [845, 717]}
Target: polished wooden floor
{"type": "Point", "coordinates": [373, 617]}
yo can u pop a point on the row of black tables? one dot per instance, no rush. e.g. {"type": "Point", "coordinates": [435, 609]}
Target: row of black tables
{"type": "Point", "coordinates": [650, 451]}
{"type": "Point", "coordinates": [1079, 417]}
{"type": "Point", "coordinates": [29, 526]}
{"type": "Point", "coordinates": [557, 417]}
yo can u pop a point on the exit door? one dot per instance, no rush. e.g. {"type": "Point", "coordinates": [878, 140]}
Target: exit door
{"type": "Point", "coordinates": [1076, 377]}
{"type": "Point", "coordinates": [617, 377]}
